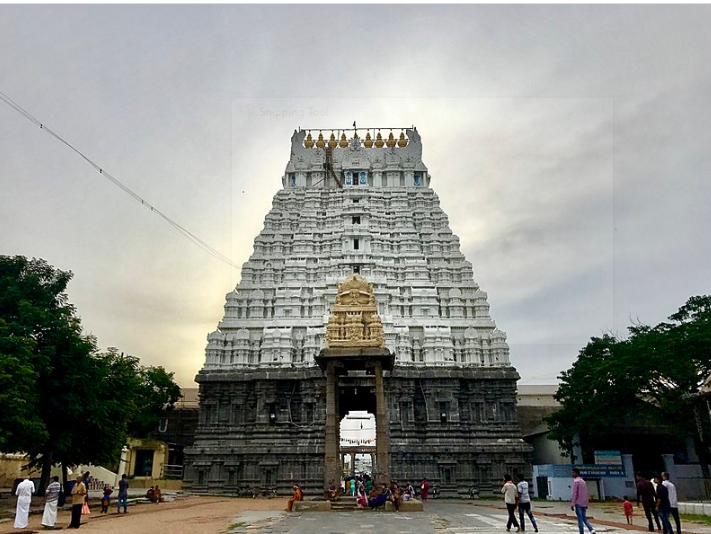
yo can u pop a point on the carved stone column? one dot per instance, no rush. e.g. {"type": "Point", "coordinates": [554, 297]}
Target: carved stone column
{"type": "Point", "coordinates": [382, 442]}
{"type": "Point", "coordinates": [332, 471]}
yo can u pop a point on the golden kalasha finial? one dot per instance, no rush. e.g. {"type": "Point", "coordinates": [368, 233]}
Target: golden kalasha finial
{"type": "Point", "coordinates": [320, 143]}
{"type": "Point", "coordinates": [332, 141]}
{"type": "Point", "coordinates": [309, 143]}
{"type": "Point", "coordinates": [379, 141]}
{"type": "Point", "coordinates": [343, 143]}
{"type": "Point", "coordinates": [368, 143]}
{"type": "Point", "coordinates": [402, 142]}
{"type": "Point", "coordinates": [391, 141]}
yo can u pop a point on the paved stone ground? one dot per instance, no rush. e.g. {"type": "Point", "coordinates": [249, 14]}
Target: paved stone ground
{"type": "Point", "coordinates": [439, 517]}
{"type": "Point", "coordinates": [207, 515]}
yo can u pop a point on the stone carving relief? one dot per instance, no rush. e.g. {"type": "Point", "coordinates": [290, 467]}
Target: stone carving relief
{"type": "Point", "coordinates": [355, 321]}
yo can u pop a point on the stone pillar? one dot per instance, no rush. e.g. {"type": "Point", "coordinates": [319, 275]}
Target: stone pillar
{"type": "Point", "coordinates": [381, 471]}
{"type": "Point", "coordinates": [332, 471]}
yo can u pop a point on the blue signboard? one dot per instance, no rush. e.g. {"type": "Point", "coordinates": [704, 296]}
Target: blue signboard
{"type": "Point", "coordinates": [586, 470]}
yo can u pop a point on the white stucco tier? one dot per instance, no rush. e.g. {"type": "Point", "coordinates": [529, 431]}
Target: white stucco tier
{"type": "Point", "coordinates": [374, 214]}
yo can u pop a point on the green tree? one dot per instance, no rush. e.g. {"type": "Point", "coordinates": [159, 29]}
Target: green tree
{"type": "Point", "coordinates": [652, 377]}
{"type": "Point", "coordinates": [156, 396]}
{"type": "Point", "coordinates": [60, 400]}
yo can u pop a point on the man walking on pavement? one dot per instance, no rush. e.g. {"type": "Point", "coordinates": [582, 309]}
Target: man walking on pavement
{"type": "Point", "coordinates": [524, 504]}
{"type": "Point", "coordinates": [645, 493]}
{"type": "Point", "coordinates": [580, 502]}
{"type": "Point", "coordinates": [663, 506]}
{"type": "Point", "coordinates": [511, 499]}
{"type": "Point", "coordinates": [673, 501]}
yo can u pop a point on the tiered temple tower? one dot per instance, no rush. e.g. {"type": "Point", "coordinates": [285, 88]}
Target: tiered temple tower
{"type": "Point", "coordinates": [356, 206]}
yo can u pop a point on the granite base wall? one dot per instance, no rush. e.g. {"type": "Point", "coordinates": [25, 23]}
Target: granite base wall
{"type": "Point", "coordinates": [455, 426]}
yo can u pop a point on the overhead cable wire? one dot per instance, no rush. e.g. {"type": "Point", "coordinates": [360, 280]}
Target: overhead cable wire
{"type": "Point", "coordinates": [184, 231]}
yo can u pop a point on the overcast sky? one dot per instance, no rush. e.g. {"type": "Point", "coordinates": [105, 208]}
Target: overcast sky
{"type": "Point", "coordinates": [568, 145]}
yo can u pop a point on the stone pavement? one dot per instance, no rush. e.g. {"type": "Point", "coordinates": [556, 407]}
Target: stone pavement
{"type": "Point", "coordinates": [439, 517]}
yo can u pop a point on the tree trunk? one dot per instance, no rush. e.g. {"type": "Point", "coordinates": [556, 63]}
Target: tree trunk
{"type": "Point", "coordinates": [46, 471]}
{"type": "Point", "coordinates": [64, 477]}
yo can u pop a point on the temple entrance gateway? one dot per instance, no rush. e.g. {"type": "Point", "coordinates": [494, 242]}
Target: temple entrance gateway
{"type": "Point", "coordinates": [355, 343]}
{"type": "Point", "coordinates": [451, 398]}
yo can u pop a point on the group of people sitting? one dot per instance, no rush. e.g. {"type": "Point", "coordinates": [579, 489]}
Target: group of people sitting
{"type": "Point", "coordinates": [154, 494]}
{"type": "Point", "coordinates": [367, 494]}
{"type": "Point", "coordinates": [377, 497]}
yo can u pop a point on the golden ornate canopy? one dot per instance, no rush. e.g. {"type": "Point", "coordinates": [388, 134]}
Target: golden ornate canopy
{"type": "Point", "coordinates": [355, 321]}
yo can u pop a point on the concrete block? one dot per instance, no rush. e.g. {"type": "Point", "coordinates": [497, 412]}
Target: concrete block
{"type": "Point", "coordinates": [312, 506]}
{"type": "Point", "coordinates": [409, 506]}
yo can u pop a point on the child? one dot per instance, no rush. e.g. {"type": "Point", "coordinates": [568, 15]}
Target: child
{"type": "Point", "coordinates": [627, 507]}
{"type": "Point", "coordinates": [106, 499]}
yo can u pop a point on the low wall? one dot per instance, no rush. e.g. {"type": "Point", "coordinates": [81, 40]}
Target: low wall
{"type": "Point", "coordinates": [145, 483]}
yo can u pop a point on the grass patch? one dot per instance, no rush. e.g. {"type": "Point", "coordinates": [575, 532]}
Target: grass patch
{"type": "Point", "coordinates": [239, 524]}
{"type": "Point", "coordinates": [695, 518]}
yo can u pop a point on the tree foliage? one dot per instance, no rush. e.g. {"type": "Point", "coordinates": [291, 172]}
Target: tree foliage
{"type": "Point", "coordinates": [61, 401]}
{"type": "Point", "coordinates": [653, 377]}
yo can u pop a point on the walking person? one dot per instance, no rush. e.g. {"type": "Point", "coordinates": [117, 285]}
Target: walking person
{"type": "Point", "coordinates": [511, 499]}
{"type": "Point", "coordinates": [106, 499]}
{"type": "Point", "coordinates": [24, 492]}
{"type": "Point", "coordinates": [424, 490]}
{"type": "Point", "coordinates": [673, 501]}
{"type": "Point", "coordinates": [580, 502]}
{"type": "Point", "coordinates": [51, 494]}
{"type": "Point", "coordinates": [627, 509]}
{"type": "Point", "coordinates": [663, 506]}
{"type": "Point", "coordinates": [122, 495]}
{"type": "Point", "coordinates": [524, 504]}
{"type": "Point", "coordinates": [78, 494]}
{"type": "Point", "coordinates": [645, 493]}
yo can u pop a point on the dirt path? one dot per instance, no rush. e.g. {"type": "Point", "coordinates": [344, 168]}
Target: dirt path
{"type": "Point", "coordinates": [207, 515]}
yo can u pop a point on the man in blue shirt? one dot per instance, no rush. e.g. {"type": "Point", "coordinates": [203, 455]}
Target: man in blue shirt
{"type": "Point", "coordinates": [122, 495]}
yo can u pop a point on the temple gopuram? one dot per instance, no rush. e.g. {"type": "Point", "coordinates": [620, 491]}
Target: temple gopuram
{"type": "Point", "coordinates": [356, 298]}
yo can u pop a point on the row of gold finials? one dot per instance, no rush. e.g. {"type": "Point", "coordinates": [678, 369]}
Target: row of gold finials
{"type": "Point", "coordinates": [367, 143]}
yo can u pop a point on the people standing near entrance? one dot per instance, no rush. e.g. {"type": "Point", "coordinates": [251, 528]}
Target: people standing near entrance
{"type": "Point", "coordinates": [122, 495]}
{"type": "Point", "coordinates": [663, 505]}
{"type": "Point", "coordinates": [424, 490]}
{"type": "Point", "coordinates": [627, 508]}
{"type": "Point", "coordinates": [673, 501]}
{"type": "Point", "coordinates": [24, 492]}
{"type": "Point", "coordinates": [645, 493]}
{"type": "Point", "coordinates": [78, 494]}
{"type": "Point", "coordinates": [511, 499]}
{"type": "Point", "coordinates": [524, 503]}
{"type": "Point", "coordinates": [51, 495]}
{"type": "Point", "coordinates": [580, 502]}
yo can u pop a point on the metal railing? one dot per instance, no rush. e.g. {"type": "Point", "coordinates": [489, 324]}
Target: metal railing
{"type": "Point", "coordinates": [172, 472]}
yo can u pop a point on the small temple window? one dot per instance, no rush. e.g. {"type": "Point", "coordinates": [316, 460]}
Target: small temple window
{"type": "Point", "coordinates": [356, 269]}
{"type": "Point", "coordinates": [292, 180]}
{"type": "Point", "coordinates": [356, 200]}
{"type": "Point", "coordinates": [356, 244]}
{"type": "Point", "coordinates": [356, 219]}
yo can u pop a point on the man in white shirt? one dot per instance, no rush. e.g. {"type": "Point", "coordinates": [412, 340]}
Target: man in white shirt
{"type": "Point", "coordinates": [524, 504]}
{"type": "Point", "coordinates": [24, 497]}
{"type": "Point", "coordinates": [673, 500]}
{"type": "Point", "coordinates": [511, 500]}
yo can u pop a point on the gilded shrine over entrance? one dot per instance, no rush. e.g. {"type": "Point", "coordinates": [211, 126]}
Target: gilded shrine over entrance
{"type": "Point", "coordinates": [355, 321]}
{"type": "Point", "coordinates": [355, 342]}
{"type": "Point", "coordinates": [356, 269]}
